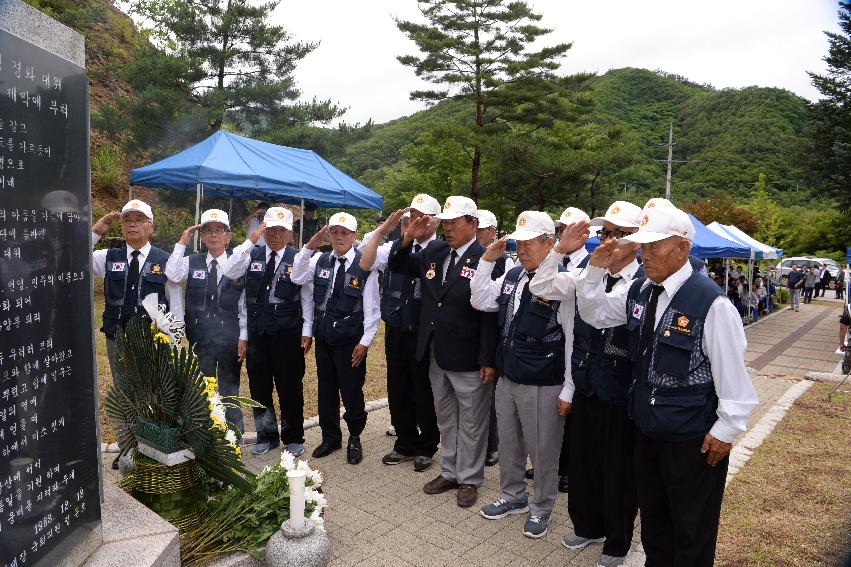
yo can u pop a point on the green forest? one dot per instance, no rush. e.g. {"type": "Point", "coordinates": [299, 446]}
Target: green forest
{"type": "Point", "coordinates": [521, 135]}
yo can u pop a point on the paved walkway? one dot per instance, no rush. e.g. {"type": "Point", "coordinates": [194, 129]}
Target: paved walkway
{"type": "Point", "coordinates": [378, 515]}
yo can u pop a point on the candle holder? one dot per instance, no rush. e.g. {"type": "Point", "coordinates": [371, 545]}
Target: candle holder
{"type": "Point", "coordinates": [298, 542]}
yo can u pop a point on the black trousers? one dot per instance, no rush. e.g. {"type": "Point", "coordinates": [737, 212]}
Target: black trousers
{"type": "Point", "coordinates": [564, 455]}
{"type": "Point", "coordinates": [409, 395]}
{"type": "Point", "coordinates": [277, 360]}
{"type": "Point", "coordinates": [221, 362]}
{"type": "Point", "coordinates": [679, 495]}
{"type": "Point", "coordinates": [337, 378]}
{"type": "Point", "coordinates": [601, 488]}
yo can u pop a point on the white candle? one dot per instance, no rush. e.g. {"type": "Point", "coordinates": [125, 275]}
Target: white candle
{"type": "Point", "coordinates": [296, 482]}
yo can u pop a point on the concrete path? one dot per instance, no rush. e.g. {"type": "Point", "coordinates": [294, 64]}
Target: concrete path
{"type": "Point", "coordinates": [378, 515]}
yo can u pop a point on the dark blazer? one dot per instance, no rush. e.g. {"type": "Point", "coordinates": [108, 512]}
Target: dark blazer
{"type": "Point", "coordinates": [464, 339]}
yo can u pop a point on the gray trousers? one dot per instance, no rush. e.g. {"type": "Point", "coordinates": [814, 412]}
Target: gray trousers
{"type": "Point", "coordinates": [528, 422]}
{"type": "Point", "coordinates": [795, 297]}
{"type": "Point", "coordinates": [462, 404]}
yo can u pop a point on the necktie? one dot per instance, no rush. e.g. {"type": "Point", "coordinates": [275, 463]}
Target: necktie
{"type": "Point", "coordinates": [452, 257]}
{"type": "Point", "coordinates": [213, 284]}
{"type": "Point", "coordinates": [565, 262]}
{"type": "Point", "coordinates": [267, 277]}
{"type": "Point", "coordinates": [131, 294]}
{"type": "Point", "coordinates": [650, 317]}
{"type": "Point", "coordinates": [417, 248]}
{"type": "Point", "coordinates": [610, 282]}
{"type": "Point", "coordinates": [526, 295]}
{"type": "Point", "coordinates": [339, 277]}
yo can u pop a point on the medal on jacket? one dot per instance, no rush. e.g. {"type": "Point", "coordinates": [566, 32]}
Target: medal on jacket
{"type": "Point", "coordinates": [430, 273]}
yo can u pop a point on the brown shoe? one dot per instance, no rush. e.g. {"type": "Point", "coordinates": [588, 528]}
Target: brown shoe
{"type": "Point", "coordinates": [439, 485]}
{"type": "Point", "coordinates": [467, 494]}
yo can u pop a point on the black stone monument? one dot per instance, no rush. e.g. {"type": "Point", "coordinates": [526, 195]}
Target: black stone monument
{"type": "Point", "coordinates": [49, 447]}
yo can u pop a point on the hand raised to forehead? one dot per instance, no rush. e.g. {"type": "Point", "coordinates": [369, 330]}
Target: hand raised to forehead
{"type": "Point", "coordinates": [317, 239]}
{"type": "Point", "coordinates": [495, 250]}
{"type": "Point", "coordinates": [573, 237]}
{"type": "Point", "coordinates": [391, 222]}
{"type": "Point", "coordinates": [603, 255]}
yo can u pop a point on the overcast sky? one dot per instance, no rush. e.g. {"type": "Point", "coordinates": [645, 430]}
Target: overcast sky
{"type": "Point", "coordinates": [725, 43]}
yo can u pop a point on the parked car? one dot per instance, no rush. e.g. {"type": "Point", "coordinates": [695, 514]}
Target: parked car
{"type": "Point", "coordinates": [784, 267]}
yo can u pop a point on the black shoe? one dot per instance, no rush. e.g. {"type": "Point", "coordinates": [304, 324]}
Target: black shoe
{"type": "Point", "coordinates": [562, 483]}
{"type": "Point", "coordinates": [394, 458]}
{"type": "Point", "coordinates": [529, 474]}
{"type": "Point", "coordinates": [115, 462]}
{"type": "Point", "coordinates": [354, 451]}
{"type": "Point", "coordinates": [422, 463]}
{"type": "Point", "coordinates": [492, 459]}
{"type": "Point", "coordinates": [325, 448]}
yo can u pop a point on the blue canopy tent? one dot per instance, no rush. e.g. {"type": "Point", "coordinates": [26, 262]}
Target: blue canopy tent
{"type": "Point", "coordinates": [227, 165]}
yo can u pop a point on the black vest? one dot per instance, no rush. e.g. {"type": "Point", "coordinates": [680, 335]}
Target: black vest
{"type": "Point", "coordinates": [152, 279]}
{"type": "Point", "coordinates": [531, 346]}
{"type": "Point", "coordinates": [673, 396]}
{"type": "Point", "coordinates": [212, 324]}
{"type": "Point", "coordinates": [275, 310]}
{"type": "Point", "coordinates": [600, 360]}
{"type": "Point", "coordinates": [338, 320]}
{"type": "Point", "coordinates": [401, 297]}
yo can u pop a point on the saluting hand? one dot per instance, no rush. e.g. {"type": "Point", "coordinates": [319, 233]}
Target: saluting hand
{"type": "Point", "coordinates": [390, 224]}
{"type": "Point", "coordinates": [717, 449]}
{"type": "Point", "coordinates": [105, 223]}
{"type": "Point", "coordinates": [572, 237]}
{"type": "Point", "coordinates": [258, 232]}
{"type": "Point", "coordinates": [187, 234]}
{"type": "Point", "coordinates": [317, 239]}
{"type": "Point", "coordinates": [358, 355]}
{"type": "Point", "coordinates": [495, 250]}
{"type": "Point", "coordinates": [418, 229]}
{"type": "Point", "coordinates": [602, 256]}
{"type": "Point", "coordinates": [488, 374]}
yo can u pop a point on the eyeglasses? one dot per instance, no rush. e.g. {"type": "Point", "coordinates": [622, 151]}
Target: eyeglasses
{"type": "Point", "coordinates": [605, 234]}
{"type": "Point", "coordinates": [134, 222]}
{"type": "Point", "coordinates": [214, 230]}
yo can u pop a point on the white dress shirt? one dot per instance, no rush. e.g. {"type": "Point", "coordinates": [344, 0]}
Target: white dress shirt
{"type": "Point", "coordinates": [177, 270]}
{"type": "Point", "coordinates": [461, 250]}
{"type": "Point", "coordinates": [724, 342]}
{"type": "Point", "coordinates": [382, 254]}
{"type": "Point", "coordinates": [236, 267]}
{"type": "Point", "coordinates": [173, 291]}
{"type": "Point", "coordinates": [304, 267]}
{"type": "Point", "coordinates": [576, 258]}
{"type": "Point", "coordinates": [483, 295]}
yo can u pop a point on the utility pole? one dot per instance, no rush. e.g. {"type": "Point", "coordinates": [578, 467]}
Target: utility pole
{"type": "Point", "coordinates": [670, 160]}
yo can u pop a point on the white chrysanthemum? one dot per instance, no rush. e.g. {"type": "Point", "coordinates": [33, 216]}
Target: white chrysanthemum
{"type": "Point", "coordinates": [311, 495]}
{"type": "Point", "coordinates": [313, 475]}
{"type": "Point", "coordinates": [287, 461]}
{"type": "Point", "coordinates": [317, 519]}
{"type": "Point", "coordinates": [230, 437]}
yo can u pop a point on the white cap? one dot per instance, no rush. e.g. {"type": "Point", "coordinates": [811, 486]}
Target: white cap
{"type": "Point", "coordinates": [486, 218]}
{"type": "Point", "coordinates": [345, 220]}
{"type": "Point", "coordinates": [572, 215]}
{"type": "Point", "coordinates": [620, 213]}
{"type": "Point", "coordinates": [278, 216]}
{"type": "Point", "coordinates": [662, 222]}
{"type": "Point", "coordinates": [659, 202]}
{"type": "Point", "coordinates": [457, 206]}
{"type": "Point", "coordinates": [425, 204]}
{"type": "Point", "coordinates": [138, 206]}
{"type": "Point", "coordinates": [531, 224]}
{"type": "Point", "coordinates": [215, 215]}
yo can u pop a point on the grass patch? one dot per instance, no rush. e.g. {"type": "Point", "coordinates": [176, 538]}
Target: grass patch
{"type": "Point", "coordinates": [374, 388]}
{"type": "Point", "coordinates": [791, 504]}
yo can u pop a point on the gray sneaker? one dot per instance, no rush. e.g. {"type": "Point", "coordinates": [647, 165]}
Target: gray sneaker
{"type": "Point", "coordinates": [536, 526]}
{"type": "Point", "coordinates": [501, 508]}
{"type": "Point", "coordinates": [610, 561]}
{"type": "Point", "coordinates": [573, 541]}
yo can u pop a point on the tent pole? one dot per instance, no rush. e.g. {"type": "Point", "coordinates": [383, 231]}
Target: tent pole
{"type": "Point", "coordinates": [301, 226]}
{"type": "Point", "coordinates": [726, 274]}
{"type": "Point", "coordinates": [197, 212]}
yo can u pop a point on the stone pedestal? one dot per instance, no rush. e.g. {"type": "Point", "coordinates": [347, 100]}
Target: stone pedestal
{"type": "Point", "coordinates": [307, 547]}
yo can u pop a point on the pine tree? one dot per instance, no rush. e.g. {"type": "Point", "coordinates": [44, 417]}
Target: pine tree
{"type": "Point", "coordinates": [828, 153]}
{"type": "Point", "coordinates": [477, 50]}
